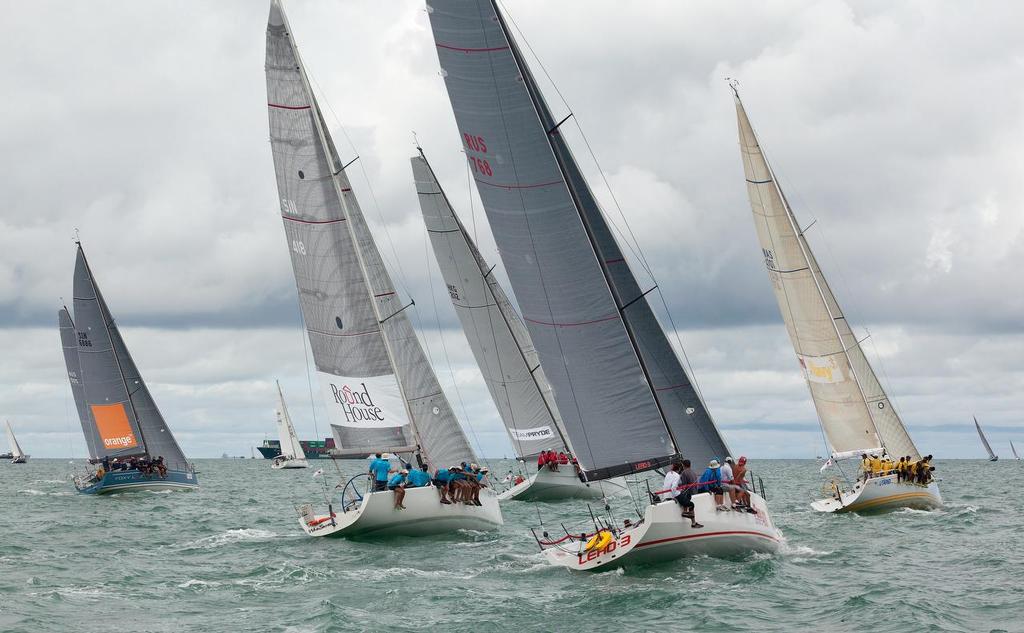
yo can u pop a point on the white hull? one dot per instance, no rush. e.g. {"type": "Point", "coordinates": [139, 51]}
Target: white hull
{"type": "Point", "coordinates": [289, 463]}
{"type": "Point", "coordinates": [881, 494]}
{"type": "Point", "coordinates": [665, 535]}
{"type": "Point", "coordinates": [548, 485]}
{"type": "Point", "coordinates": [424, 515]}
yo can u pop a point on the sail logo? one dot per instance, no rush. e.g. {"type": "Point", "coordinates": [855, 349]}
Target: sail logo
{"type": "Point", "coordinates": [83, 339]}
{"type": "Point", "coordinates": [357, 406]}
{"type": "Point", "coordinates": [769, 259]}
{"type": "Point", "coordinates": [820, 370]}
{"type": "Point", "coordinates": [539, 433]}
{"type": "Point", "coordinates": [114, 427]}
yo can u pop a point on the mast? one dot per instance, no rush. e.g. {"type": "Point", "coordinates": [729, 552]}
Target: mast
{"type": "Point", "coordinates": [501, 304]}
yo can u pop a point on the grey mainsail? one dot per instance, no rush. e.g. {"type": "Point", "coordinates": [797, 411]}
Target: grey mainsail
{"type": "Point", "coordinates": [984, 440]}
{"type": "Point", "coordinates": [380, 390]}
{"type": "Point", "coordinates": [854, 410]}
{"type": "Point", "coordinates": [69, 343]}
{"type": "Point", "coordinates": [500, 342]}
{"type": "Point", "coordinates": [626, 401]}
{"type": "Point", "coordinates": [127, 419]}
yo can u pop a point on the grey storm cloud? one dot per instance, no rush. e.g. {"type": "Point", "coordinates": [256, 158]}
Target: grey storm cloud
{"type": "Point", "coordinates": [893, 127]}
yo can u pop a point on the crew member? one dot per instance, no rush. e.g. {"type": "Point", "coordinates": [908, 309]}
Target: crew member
{"type": "Point", "coordinates": [397, 485]}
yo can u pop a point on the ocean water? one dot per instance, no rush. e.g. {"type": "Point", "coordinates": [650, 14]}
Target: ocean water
{"type": "Point", "coordinates": [231, 557]}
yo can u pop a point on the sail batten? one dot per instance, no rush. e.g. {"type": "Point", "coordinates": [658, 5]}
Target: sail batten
{"type": "Point", "coordinates": [578, 296]}
{"type": "Point", "coordinates": [375, 379]}
{"type": "Point", "coordinates": [853, 408]}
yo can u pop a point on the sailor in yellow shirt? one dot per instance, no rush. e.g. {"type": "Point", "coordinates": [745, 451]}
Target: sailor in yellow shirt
{"type": "Point", "coordinates": [865, 465]}
{"type": "Point", "coordinates": [876, 466]}
{"type": "Point", "coordinates": [912, 471]}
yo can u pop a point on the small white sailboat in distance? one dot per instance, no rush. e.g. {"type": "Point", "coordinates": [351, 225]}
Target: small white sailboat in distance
{"type": "Point", "coordinates": [379, 388]}
{"type": "Point", "coordinates": [18, 456]}
{"type": "Point", "coordinates": [505, 355]}
{"type": "Point", "coordinates": [855, 413]}
{"type": "Point", "coordinates": [1014, 451]}
{"type": "Point", "coordinates": [992, 457]}
{"type": "Point", "coordinates": [292, 455]}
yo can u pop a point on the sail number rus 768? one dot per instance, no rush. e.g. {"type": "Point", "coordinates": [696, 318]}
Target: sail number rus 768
{"type": "Point", "coordinates": [477, 144]}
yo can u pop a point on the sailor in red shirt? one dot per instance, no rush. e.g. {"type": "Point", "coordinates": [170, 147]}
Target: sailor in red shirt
{"type": "Point", "coordinates": [542, 459]}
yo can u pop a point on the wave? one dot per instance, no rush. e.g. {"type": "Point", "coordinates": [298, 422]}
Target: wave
{"type": "Point", "coordinates": [231, 536]}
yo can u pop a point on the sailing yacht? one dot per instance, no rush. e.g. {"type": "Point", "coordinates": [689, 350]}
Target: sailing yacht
{"type": "Point", "coordinates": [992, 457]}
{"type": "Point", "coordinates": [1014, 451]}
{"type": "Point", "coordinates": [380, 391]}
{"type": "Point", "coordinates": [17, 455]}
{"type": "Point", "coordinates": [292, 455]}
{"type": "Point", "coordinates": [854, 411]}
{"type": "Point", "coordinates": [504, 352]}
{"type": "Point", "coordinates": [626, 403]}
{"type": "Point", "coordinates": [119, 417]}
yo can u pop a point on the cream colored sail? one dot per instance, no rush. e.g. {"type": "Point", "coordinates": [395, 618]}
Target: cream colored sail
{"type": "Point", "coordinates": [16, 451]}
{"type": "Point", "coordinates": [854, 410]}
{"type": "Point", "coordinates": [290, 446]}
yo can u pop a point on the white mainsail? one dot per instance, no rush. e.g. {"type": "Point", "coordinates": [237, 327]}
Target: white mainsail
{"type": "Point", "coordinates": [500, 342]}
{"type": "Point", "coordinates": [12, 442]}
{"type": "Point", "coordinates": [984, 440]}
{"type": "Point", "coordinates": [1014, 451]}
{"type": "Point", "coordinates": [853, 409]}
{"type": "Point", "coordinates": [291, 448]}
{"type": "Point", "coordinates": [379, 388]}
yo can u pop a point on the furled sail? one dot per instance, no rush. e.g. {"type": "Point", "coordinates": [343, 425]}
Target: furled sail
{"type": "Point", "coordinates": [380, 390]}
{"type": "Point", "coordinates": [500, 342]}
{"type": "Point", "coordinates": [126, 418]}
{"type": "Point", "coordinates": [625, 400]}
{"type": "Point", "coordinates": [984, 440]}
{"type": "Point", "coordinates": [69, 343]}
{"type": "Point", "coordinates": [854, 410]}
{"type": "Point", "coordinates": [12, 443]}
{"type": "Point", "coordinates": [290, 446]}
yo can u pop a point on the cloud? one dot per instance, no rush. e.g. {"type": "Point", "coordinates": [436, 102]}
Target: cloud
{"type": "Point", "coordinates": [893, 128]}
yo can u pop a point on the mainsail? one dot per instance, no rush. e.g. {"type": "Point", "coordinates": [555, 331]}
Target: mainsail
{"type": "Point", "coordinates": [290, 446]}
{"type": "Point", "coordinates": [1014, 450]}
{"type": "Point", "coordinates": [500, 342]}
{"type": "Point", "coordinates": [380, 390]}
{"type": "Point", "coordinates": [121, 408]}
{"type": "Point", "coordinates": [854, 410]}
{"type": "Point", "coordinates": [69, 343]}
{"type": "Point", "coordinates": [625, 400]}
{"type": "Point", "coordinates": [12, 443]}
{"type": "Point", "coordinates": [984, 440]}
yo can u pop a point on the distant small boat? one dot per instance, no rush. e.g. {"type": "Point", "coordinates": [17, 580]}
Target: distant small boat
{"type": "Point", "coordinates": [992, 457]}
{"type": "Point", "coordinates": [18, 456]}
{"type": "Point", "coordinates": [1014, 451]}
{"type": "Point", "coordinates": [292, 455]}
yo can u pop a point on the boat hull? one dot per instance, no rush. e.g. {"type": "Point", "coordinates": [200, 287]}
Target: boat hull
{"type": "Point", "coordinates": [547, 485]}
{"type": "Point", "coordinates": [289, 463]}
{"type": "Point", "coordinates": [134, 481]}
{"type": "Point", "coordinates": [424, 515]}
{"type": "Point", "coordinates": [664, 535]}
{"type": "Point", "coordinates": [883, 494]}
{"type": "Point", "coordinates": [22, 459]}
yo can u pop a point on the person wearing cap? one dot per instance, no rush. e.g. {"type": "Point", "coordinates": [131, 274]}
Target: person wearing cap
{"type": "Point", "coordinates": [380, 468]}
{"type": "Point", "coordinates": [711, 482]}
{"type": "Point", "coordinates": [458, 489]}
{"type": "Point", "coordinates": [397, 485]}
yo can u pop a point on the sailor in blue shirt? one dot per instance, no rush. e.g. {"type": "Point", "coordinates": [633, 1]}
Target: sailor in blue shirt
{"type": "Point", "coordinates": [379, 470]}
{"type": "Point", "coordinates": [418, 478]}
{"type": "Point", "coordinates": [442, 477]}
{"type": "Point", "coordinates": [397, 485]}
{"type": "Point", "coordinates": [712, 480]}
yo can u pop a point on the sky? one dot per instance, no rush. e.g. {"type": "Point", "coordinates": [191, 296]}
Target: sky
{"type": "Point", "coordinates": [894, 127]}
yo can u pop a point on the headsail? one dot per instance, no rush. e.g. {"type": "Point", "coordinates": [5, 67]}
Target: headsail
{"type": "Point", "coordinates": [69, 343]}
{"type": "Point", "coordinates": [626, 402]}
{"type": "Point", "coordinates": [291, 448]}
{"type": "Point", "coordinates": [854, 410]}
{"type": "Point", "coordinates": [500, 342]}
{"type": "Point", "coordinates": [12, 443]}
{"type": "Point", "coordinates": [126, 417]}
{"type": "Point", "coordinates": [984, 440]}
{"type": "Point", "coordinates": [373, 372]}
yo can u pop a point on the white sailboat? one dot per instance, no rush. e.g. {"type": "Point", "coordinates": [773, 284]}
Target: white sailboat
{"type": "Point", "coordinates": [1014, 451]}
{"type": "Point", "coordinates": [18, 456]}
{"type": "Point", "coordinates": [292, 455]}
{"type": "Point", "coordinates": [854, 411]}
{"type": "Point", "coordinates": [626, 403]}
{"type": "Point", "coordinates": [380, 391]}
{"type": "Point", "coordinates": [992, 457]}
{"type": "Point", "coordinates": [504, 353]}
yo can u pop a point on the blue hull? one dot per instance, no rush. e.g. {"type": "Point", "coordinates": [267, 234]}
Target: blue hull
{"type": "Point", "coordinates": [133, 480]}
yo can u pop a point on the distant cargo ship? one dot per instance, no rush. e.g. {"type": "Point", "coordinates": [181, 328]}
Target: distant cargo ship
{"type": "Point", "coordinates": [314, 449]}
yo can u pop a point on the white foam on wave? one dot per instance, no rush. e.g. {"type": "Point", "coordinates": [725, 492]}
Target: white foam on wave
{"type": "Point", "coordinates": [198, 584]}
{"type": "Point", "coordinates": [232, 536]}
{"type": "Point", "coordinates": [802, 551]}
{"type": "Point", "coordinates": [41, 493]}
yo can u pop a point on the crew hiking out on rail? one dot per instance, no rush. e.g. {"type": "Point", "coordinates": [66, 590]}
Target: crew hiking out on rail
{"type": "Point", "coordinates": [906, 468]}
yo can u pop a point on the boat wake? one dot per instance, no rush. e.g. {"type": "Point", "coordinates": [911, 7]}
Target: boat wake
{"type": "Point", "coordinates": [231, 536]}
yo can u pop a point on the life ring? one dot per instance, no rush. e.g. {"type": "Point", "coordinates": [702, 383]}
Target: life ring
{"type": "Point", "coordinates": [599, 541]}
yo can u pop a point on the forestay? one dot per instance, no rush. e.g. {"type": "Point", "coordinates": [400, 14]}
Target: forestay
{"type": "Point", "coordinates": [373, 372]}
{"type": "Point", "coordinates": [625, 400]}
{"type": "Point", "coordinates": [12, 443]}
{"type": "Point", "coordinates": [291, 448]}
{"type": "Point", "coordinates": [126, 418]}
{"type": "Point", "coordinates": [854, 410]}
{"type": "Point", "coordinates": [69, 343]}
{"type": "Point", "coordinates": [500, 342]}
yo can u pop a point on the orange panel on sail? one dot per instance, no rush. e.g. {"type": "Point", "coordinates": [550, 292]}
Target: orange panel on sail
{"type": "Point", "coordinates": [115, 429]}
